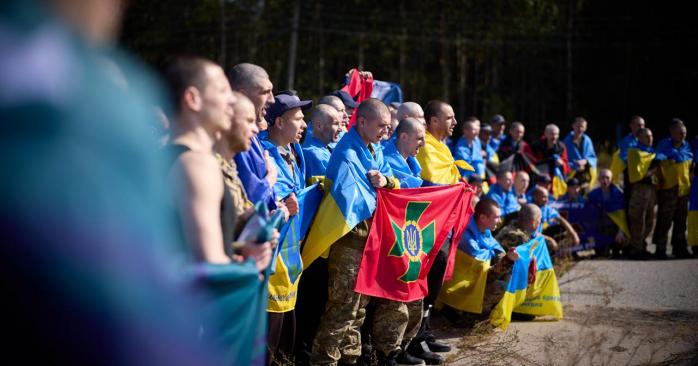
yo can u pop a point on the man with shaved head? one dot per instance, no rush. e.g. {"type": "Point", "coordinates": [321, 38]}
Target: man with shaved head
{"type": "Point", "coordinates": [326, 122]}
{"type": "Point", "coordinates": [522, 229]}
{"type": "Point", "coordinates": [438, 168]}
{"type": "Point", "coordinates": [514, 147]}
{"type": "Point", "coordinates": [469, 149]}
{"type": "Point", "coordinates": [643, 179]}
{"type": "Point", "coordinates": [410, 109]}
{"type": "Point", "coordinates": [356, 157]}
{"type": "Point", "coordinates": [257, 173]}
{"type": "Point", "coordinates": [550, 156]}
{"type": "Point", "coordinates": [611, 224]}
{"type": "Point", "coordinates": [675, 156]}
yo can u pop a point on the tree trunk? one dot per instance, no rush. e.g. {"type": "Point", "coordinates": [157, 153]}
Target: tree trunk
{"type": "Point", "coordinates": [293, 47]}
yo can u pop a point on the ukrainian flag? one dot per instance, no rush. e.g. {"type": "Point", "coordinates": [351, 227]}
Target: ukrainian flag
{"type": "Point", "coordinates": [614, 206]}
{"type": "Point", "coordinates": [466, 289]}
{"type": "Point", "coordinates": [675, 165]}
{"type": "Point", "coordinates": [693, 214]}
{"type": "Point", "coordinates": [438, 165]}
{"type": "Point", "coordinates": [283, 284]}
{"type": "Point", "coordinates": [620, 156]}
{"type": "Point", "coordinates": [587, 152]}
{"type": "Point", "coordinates": [542, 297]}
{"type": "Point", "coordinates": [640, 158]}
{"type": "Point", "coordinates": [350, 198]}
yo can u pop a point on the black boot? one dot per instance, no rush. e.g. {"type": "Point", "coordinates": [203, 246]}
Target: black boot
{"type": "Point", "coordinates": [389, 360]}
{"type": "Point", "coordinates": [405, 359]}
{"type": "Point", "coordinates": [421, 350]}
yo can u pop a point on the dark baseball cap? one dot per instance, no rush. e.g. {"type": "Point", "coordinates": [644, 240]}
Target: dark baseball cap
{"type": "Point", "coordinates": [544, 178]}
{"type": "Point", "coordinates": [486, 127]}
{"type": "Point", "coordinates": [573, 182]}
{"type": "Point", "coordinates": [348, 101]}
{"type": "Point", "coordinates": [284, 103]}
{"type": "Point", "coordinates": [498, 118]}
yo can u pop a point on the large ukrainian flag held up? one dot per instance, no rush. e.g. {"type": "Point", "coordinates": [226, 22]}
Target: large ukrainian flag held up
{"type": "Point", "coordinates": [408, 230]}
{"type": "Point", "coordinates": [542, 297]}
{"type": "Point", "coordinates": [350, 198]}
{"type": "Point", "coordinates": [283, 284]}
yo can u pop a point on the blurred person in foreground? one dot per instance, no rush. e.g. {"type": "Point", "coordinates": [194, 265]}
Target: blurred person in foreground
{"type": "Point", "coordinates": [93, 261]}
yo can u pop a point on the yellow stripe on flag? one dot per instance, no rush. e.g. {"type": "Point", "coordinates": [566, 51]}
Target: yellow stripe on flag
{"type": "Point", "coordinates": [617, 167]}
{"type": "Point", "coordinates": [328, 227]}
{"type": "Point", "coordinates": [466, 289]}
{"type": "Point", "coordinates": [619, 218]}
{"type": "Point", "coordinates": [543, 297]}
{"type": "Point", "coordinates": [638, 164]}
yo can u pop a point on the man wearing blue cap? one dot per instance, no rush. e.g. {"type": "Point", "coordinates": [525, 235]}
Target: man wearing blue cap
{"type": "Point", "coordinates": [280, 141]}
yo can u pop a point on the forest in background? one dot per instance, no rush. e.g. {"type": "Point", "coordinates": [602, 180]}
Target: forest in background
{"type": "Point", "coordinates": [535, 61]}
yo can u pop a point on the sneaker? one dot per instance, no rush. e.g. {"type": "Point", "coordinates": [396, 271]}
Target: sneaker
{"type": "Point", "coordinates": [405, 359]}
{"type": "Point", "coordinates": [421, 350]}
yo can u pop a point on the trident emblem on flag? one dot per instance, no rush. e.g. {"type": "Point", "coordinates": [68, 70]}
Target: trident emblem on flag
{"type": "Point", "coordinates": [412, 240]}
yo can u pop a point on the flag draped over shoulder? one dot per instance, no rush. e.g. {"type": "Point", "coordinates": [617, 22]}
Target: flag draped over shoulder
{"type": "Point", "coordinates": [350, 198]}
{"type": "Point", "coordinates": [675, 165]}
{"type": "Point", "coordinates": [613, 205]}
{"type": "Point", "coordinates": [640, 158]}
{"type": "Point", "coordinates": [283, 284]}
{"type": "Point", "coordinates": [466, 289]}
{"type": "Point", "coordinates": [234, 310]}
{"type": "Point", "coordinates": [408, 230]}
{"type": "Point", "coordinates": [407, 171]}
{"type": "Point", "coordinates": [438, 166]}
{"type": "Point", "coordinates": [542, 297]}
{"type": "Point", "coordinates": [620, 156]}
{"type": "Point", "coordinates": [585, 151]}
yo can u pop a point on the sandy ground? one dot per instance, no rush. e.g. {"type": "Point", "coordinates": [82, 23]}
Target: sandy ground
{"type": "Point", "coordinates": [615, 313]}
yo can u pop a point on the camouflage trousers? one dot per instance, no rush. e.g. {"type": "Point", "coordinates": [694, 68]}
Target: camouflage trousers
{"type": "Point", "coordinates": [640, 216]}
{"type": "Point", "coordinates": [671, 209]}
{"type": "Point", "coordinates": [395, 323]}
{"type": "Point", "coordinates": [339, 336]}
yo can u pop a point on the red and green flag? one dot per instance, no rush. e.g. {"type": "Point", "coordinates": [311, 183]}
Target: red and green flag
{"type": "Point", "coordinates": [409, 227]}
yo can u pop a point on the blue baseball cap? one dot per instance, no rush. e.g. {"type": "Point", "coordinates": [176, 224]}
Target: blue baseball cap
{"type": "Point", "coordinates": [348, 101]}
{"type": "Point", "coordinates": [498, 118]}
{"type": "Point", "coordinates": [284, 103]}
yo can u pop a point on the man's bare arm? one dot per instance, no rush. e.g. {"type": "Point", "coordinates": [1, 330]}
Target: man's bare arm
{"type": "Point", "coordinates": [199, 204]}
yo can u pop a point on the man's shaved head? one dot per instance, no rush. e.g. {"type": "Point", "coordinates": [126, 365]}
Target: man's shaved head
{"type": "Point", "coordinates": [433, 109]}
{"type": "Point", "coordinates": [529, 217]}
{"type": "Point", "coordinates": [408, 125]}
{"type": "Point", "coordinates": [322, 114]}
{"type": "Point", "coordinates": [410, 109]}
{"type": "Point", "coordinates": [332, 100]}
{"type": "Point", "coordinates": [246, 76]}
{"type": "Point", "coordinates": [371, 108]}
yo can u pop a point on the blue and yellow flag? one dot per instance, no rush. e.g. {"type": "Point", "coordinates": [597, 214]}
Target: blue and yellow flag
{"type": "Point", "coordinates": [471, 155]}
{"type": "Point", "coordinates": [585, 151]}
{"type": "Point", "coordinates": [350, 198]}
{"type": "Point", "coordinates": [407, 171]}
{"type": "Point", "coordinates": [283, 284]}
{"type": "Point", "coordinates": [289, 180]}
{"type": "Point", "coordinates": [675, 165]}
{"type": "Point", "coordinates": [438, 165]}
{"type": "Point", "coordinates": [317, 156]}
{"type": "Point", "coordinates": [620, 156]}
{"type": "Point", "coordinates": [640, 158]}
{"type": "Point", "coordinates": [613, 205]}
{"type": "Point", "coordinates": [542, 297]}
{"type": "Point", "coordinates": [693, 209]}
{"type": "Point", "coordinates": [466, 289]}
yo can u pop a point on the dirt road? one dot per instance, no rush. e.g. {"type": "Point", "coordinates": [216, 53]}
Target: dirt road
{"type": "Point", "coordinates": [616, 313]}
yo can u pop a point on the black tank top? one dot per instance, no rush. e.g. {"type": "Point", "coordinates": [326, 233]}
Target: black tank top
{"type": "Point", "coordinates": [228, 216]}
